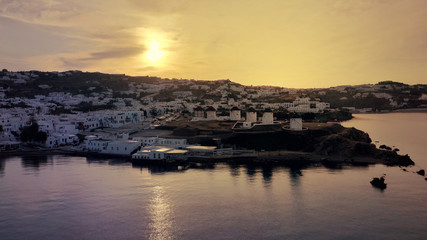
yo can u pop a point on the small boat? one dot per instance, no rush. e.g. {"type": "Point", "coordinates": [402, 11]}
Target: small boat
{"type": "Point", "coordinates": [379, 183]}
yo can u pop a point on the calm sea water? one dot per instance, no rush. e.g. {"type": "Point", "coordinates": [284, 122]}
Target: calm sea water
{"type": "Point", "coordinates": [61, 197]}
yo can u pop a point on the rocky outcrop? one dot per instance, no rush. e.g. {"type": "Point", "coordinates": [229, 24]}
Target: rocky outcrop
{"type": "Point", "coordinates": [379, 183]}
{"type": "Point", "coordinates": [356, 135]}
{"type": "Point", "coordinates": [334, 142]}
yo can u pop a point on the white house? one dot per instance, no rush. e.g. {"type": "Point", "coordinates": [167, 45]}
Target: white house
{"type": "Point", "coordinates": [121, 147]}
{"type": "Point", "coordinates": [302, 105]}
{"type": "Point", "coordinates": [46, 126]}
{"type": "Point", "coordinates": [116, 147]}
{"type": "Point", "coordinates": [96, 145]}
{"type": "Point", "coordinates": [146, 141]}
{"type": "Point", "coordinates": [66, 128]}
{"type": "Point", "coordinates": [58, 139]}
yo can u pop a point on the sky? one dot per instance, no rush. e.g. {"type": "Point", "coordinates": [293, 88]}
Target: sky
{"type": "Point", "coordinates": [287, 43]}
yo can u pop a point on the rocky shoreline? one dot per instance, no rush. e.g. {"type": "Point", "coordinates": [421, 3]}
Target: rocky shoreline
{"type": "Point", "coordinates": [320, 143]}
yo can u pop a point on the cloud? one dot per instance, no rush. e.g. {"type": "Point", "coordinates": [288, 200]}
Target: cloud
{"type": "Point", "coordinates": [148, 68]}
{"type": "Point", "coordinates": [38, 10]}
{"type": "Point", "coordinates": [160, 6]}
{"type": "Point", "coordinates": [82, 60]}
{"type": "Point", "coordinates": [356, 7]}
{"type": "Point", "coordinates": [115, 53]}
{"type": "Point", "coordinates": [27, 39]}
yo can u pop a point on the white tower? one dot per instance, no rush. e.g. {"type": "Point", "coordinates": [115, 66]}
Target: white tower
{"type": "Point", "coordinates": [251, 115]}
{"type": "Point", "coordinates": [211, 113]}
{"type": "Point", "coordinates": [198, 112]}
{"type": "Point", "coordinates": [235, 114]}
{"type": "Point", "coordinates": [267, 117]}
{"type": "Point", "coordinates": [296, 124]}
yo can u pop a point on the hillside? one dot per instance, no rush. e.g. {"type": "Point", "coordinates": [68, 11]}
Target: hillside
{"type": "Point", "coordinates": [385, 95]}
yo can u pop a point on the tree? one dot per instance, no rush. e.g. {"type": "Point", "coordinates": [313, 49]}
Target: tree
{"type": "Point", "coordinates": [81, 126]}
{"type": "Point", "coordinates": [153, 111]}
{"type": "Point", "coordinates": [31, 133]}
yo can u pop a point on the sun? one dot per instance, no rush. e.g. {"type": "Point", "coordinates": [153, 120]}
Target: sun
{"type": "Point", "coordinates": [154, 53]}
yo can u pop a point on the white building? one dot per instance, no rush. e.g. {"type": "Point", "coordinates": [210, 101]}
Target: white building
{"type": "Point", "coordinates": [66, 128]}
{"type": "Point", "coordinates": [210, 113]}
{"type": "Point", "coordinates": [175, 142]}
{"type": "Point", "coordinates": [57, 139]}
{"type": "Point", "coordinates": [296, 124]}
{"type": "Point", "coordinates": [146, 141]}
{"type": "Point", "coordinates": [121, 147]}
{"type": "Point", "coordinates": [235, 114]}
{"type": "Point", "coordinates": [251, 115]}
{"type": "Point", "coordinates": [116, 147]}
{"type": "Point", "coordinates": [301, 105]}
{"type": "Point", "coordinates": [267, 117]}
{"type": "Point", "coordinates": [156, 141]}
{"type": "Point", "coordinates": [199, 112]}
{"type": "Point", "coordinates": [161, 153]}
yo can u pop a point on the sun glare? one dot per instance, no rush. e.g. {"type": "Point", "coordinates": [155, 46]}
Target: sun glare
{"type": "Point", "coordinates": [154, 53]}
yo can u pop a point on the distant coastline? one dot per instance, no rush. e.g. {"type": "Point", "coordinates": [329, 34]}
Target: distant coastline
{"type": "Point", "coordinates": [411, 110]}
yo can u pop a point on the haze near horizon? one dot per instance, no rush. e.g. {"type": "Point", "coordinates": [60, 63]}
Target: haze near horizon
{"type": "Point", "coordinates": [293, 43]}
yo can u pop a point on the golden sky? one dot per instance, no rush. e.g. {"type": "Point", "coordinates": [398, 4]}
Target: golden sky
{"type": "Point", "coordinates": [289, 43]}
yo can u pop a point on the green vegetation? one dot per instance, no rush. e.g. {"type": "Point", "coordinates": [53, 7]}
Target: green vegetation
{"type": "Point", "coordinates": [392, 83]}
{"type": "Point", "coordinates": [31, 133]}
{"type": "Point", "coordinates": [59, 111]}
{"type": "Point", "coordinates": [17, 105]}
{"type": "Point", "coordinates": [153, 111]}
{"type": "Point", "coordinates": [283, 114]}
{"type": "Point", "coordinates": [88, 106]}
{"type": "Point", "coordinates": [337, 115]}
{"type": "Point", "coordinates": [117, 86]}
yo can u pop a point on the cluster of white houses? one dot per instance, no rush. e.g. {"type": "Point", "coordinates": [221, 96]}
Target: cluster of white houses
{"type": "Point", "coordinates": [62, 129]}
{"type": "Point", "coordinates": [150, 148]}
{"type": "Point", "coordinates": [304, 104]}
{"type": "Point", "coordinates": [300, 105]}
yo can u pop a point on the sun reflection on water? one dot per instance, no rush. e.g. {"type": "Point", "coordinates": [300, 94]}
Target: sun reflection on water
{"type": "Point", "coordinates": [162, 221]}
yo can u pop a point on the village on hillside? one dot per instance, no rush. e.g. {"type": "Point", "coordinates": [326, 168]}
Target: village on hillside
{"type": "Point", "coordinates": [122, 115]}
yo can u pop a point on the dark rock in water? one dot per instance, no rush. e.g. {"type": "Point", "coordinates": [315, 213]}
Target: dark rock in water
{"type": "Point", "coordinates": [379, 183]}
{"type": "Point", "coordinates": [396, 149]}
{"type": "Point", "coordinates": [425, 179]}
{"type": "Point", "coordinates": [421, 172]}
{"type": "Point", "coordinates": [392, 158]}
{"type": "Point", "coordinates": [404, 169]}
{"type": "Point", "coordinates": [385, 147]}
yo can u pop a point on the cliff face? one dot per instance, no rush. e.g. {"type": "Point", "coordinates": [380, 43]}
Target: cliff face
{"type": "Point", "coordinates": [347, 142]}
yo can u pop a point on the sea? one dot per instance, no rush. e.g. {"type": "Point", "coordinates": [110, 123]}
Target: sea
{"type": "Point", "coordinates": [68, 197]}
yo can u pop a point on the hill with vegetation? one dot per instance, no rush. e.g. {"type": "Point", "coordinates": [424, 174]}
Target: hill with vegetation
{"type": "Point", "coordinates": [385, 95]}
